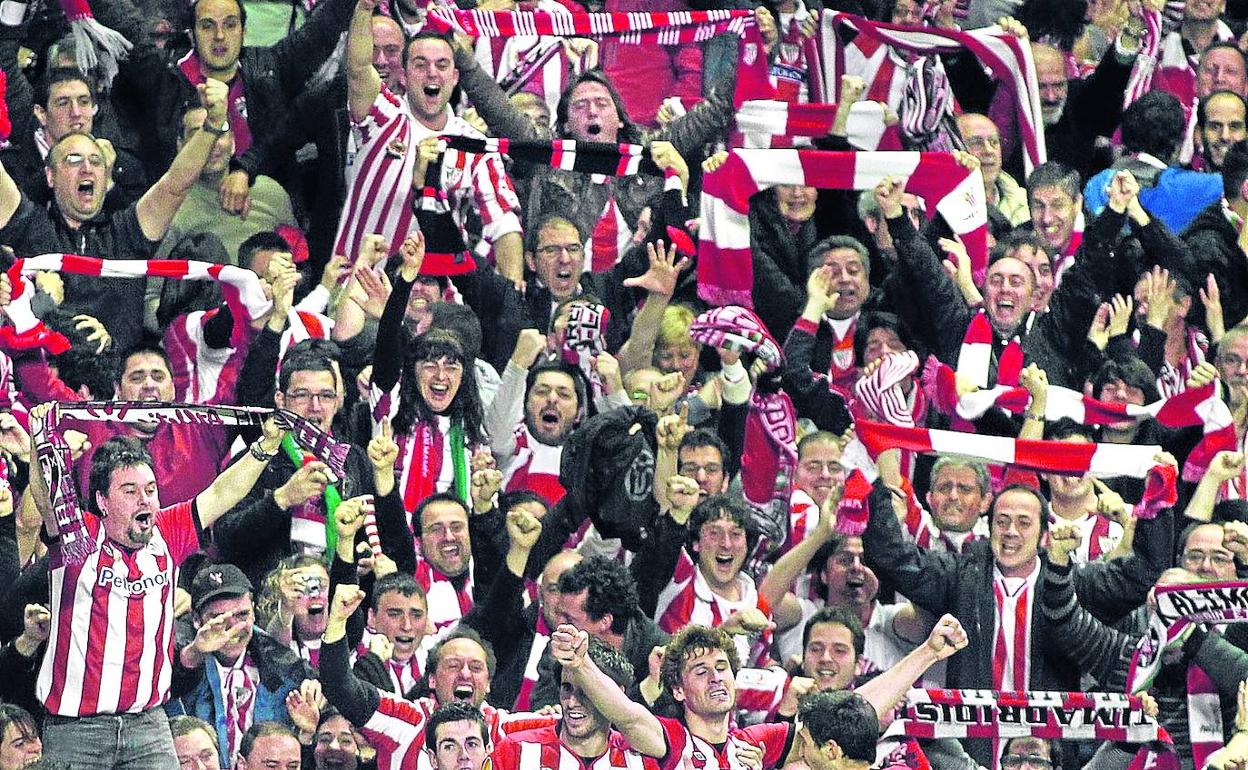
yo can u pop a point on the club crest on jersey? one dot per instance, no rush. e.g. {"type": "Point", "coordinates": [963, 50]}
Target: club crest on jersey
{"type": "Point", "coordinates": [843, 358]}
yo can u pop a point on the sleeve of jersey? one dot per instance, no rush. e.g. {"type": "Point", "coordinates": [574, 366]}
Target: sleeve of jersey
{"type": "Point", "coordinates": [506, 755]}
{"type": "Point", "coordinates": [179, 526]}
{"type": "Point", "coordinates": [774, 738]}
{"type": "Point", "coordinates": [677, 738]}
{"type": "Point", "coordinates": [385, 110]}
{"type": "Point", "coordinates": [496, 198]}
{"type": "Point", "coordinates": [395, 725]}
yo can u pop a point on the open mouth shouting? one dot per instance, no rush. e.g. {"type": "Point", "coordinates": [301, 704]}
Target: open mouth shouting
{"type": "Point", "coordinates": [464, 692]}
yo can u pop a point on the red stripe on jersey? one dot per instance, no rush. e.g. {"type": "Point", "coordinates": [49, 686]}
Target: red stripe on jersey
{"type": "Point", "coordinates": [134, 641]}
{"type": "Point", "coordinates": [97, 637]}
{"type": "Point", "coordinates": [63, 630]}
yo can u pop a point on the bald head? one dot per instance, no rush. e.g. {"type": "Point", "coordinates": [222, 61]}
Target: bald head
{"type": "Point", "coordinates": [984, 142]}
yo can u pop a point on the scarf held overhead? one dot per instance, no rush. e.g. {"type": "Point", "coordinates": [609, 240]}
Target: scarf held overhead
{"type": "Point", "coordinates": [239, 286]}
{"type": "Point", "coordinates": [725, 270]}
{"type": "Point", "coordinates": [1179, 608]}
{"type": "Point", "coordinates": [54, 459]}
{"type": "Point", "coordinates": [673, 28]}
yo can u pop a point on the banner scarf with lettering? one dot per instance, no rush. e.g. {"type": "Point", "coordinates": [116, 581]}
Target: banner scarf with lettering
{"type": "Point", "coordinates": [1195, 406]}
{"type": "Point", "coordinates": [239, 286]}
{"type": "Point", "coordinates": [54, 459]}
{"type": "Point", "coordinates": [1005, 57]}
{"type": "Point", "coordinates": [1178, 610]}
{"type": "Point", "coordinates": [769, 451]}
{"type": "Point", "coordinates": [673, 28]}
{"type": "Point", "coordinates": [725, 269]}
{"type": "Point", "coordinates": [1095, 716]}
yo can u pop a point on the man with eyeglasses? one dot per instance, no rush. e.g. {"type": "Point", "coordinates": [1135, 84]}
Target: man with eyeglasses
{"type": "Point", "coordinates": [1205, 552]}
{"type": "Point", "coordinates": [285, 512]}
{"type": "Point", "coordinates": [983, 140]}
{"type": "Point", "coordinates": [77, 172]}
{"type": "Point", "coordinates": [1030, 754]}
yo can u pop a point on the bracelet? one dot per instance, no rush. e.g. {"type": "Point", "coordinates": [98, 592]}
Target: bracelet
{"type": "Point", "coordinates": [224, 128]}
{"type": "Point", "coordinates": [257, 452]}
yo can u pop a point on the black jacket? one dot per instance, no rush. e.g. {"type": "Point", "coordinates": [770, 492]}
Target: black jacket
{"type": "Point", "coordinates": [153, 89]}
{"type": "Point", "coordinates": [1215, 249]}
{"type": "Point", "coordinates": [1049, 340]}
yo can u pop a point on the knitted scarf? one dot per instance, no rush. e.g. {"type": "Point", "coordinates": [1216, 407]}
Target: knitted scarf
{"type": "Point", "coordinates": [725, 271]}
{"type": "Point", "coordinates": [94, 44]}
{"type": "Point", "coordinates": [769, 454]}
{"type": "Point", "coordinates": [846, 39]}
{"type": "Point", "coordinates": [239, 286]}
{"type": "Point", "coordinates": [1178, 609]}
{"type": "Point", "coordinates": [1048, 715]}
{"type": "Point", "coordinates": [54, 460]}
{"type": "Point", "coordinates": [674, 28]}
{"type": "Point", "coordinates": [604, 158]}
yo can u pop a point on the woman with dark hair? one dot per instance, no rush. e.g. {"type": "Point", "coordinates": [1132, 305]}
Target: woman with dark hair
{"type": "Point", "coordinates": [425, 390]}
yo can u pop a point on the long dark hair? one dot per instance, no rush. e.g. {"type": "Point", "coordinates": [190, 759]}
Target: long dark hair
{"type": "Point", "coordinates": [466, 406]}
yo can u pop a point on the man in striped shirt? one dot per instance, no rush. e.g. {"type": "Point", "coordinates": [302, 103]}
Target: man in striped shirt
{"type": "Point", "coordinates": [583, 739]}
{"type": "Point", "coordinates": [107, 669]}
{"type": "Point", "coordinates": [388, 172]}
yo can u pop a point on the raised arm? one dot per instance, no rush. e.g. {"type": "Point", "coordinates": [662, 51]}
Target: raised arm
{"type": "Point", "coordinates": [643, 730]}
{"type": "Point", "coordinates": [889, 688]}
{"type": "Point", "coordinates": [363, 82]}
{"type": "Point", "coordinates": [158, 205]}
{"type": "Point", "coordinates": [236, 481]}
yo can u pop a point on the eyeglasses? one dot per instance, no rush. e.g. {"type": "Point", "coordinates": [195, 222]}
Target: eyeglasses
{"type": "Point", "coordinates": [976, 142]}
{"type": "Point", "coordinates": [551, 250]}
{"type": "Point", "coordinates": [1193, 559]}
{"type": "Point", "coordinates": [307, 396]}
{"type": "Point", "coordinates": [1013, 761]}
{"type": "Point", "coordinates": [76, 159]}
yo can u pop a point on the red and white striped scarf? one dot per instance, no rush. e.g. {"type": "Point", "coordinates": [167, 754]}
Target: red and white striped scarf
{"type": "Point", "coordinates": [239, 286]}
{"type": "Point", "coordinates": [1197, 406]}
{"type": "Point", "coordinates": [1004, 56]}
{"type": "Point", "coordinates": [1103, 460]}
{"type": "Point", "coordinates": [769, 453]}
{"type": "Point", "coordinates": [1173, 377]}
{"type": "Point", "coordinates": [725, 270]}
{"type": "Point", "coordinates": [606, 158]}
{"type": "Point", "coordinates": [879, 396]}
{"type": "Point", "coordinates": [1098, 716]}
{"type": "Point", "coordinates": [447, 604]}
{"type": "Point", "coordinates": [239, 684]}
{"type": "Point", "coordinates": [674, 28]}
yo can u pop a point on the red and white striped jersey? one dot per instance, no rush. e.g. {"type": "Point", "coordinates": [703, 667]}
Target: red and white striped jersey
{"type": "Point", "coordinates": [379, 180]}
{"type": "Point", "coordinates": [541, 749]}
{"type": "Point", "coordinates": [110, 650]}
{"type": "Point", "coordinates": [684, 749]}
{"type": "Point", "coordinates": [689, 599]}
{"type": "Point", "coordinates": [397, 730]}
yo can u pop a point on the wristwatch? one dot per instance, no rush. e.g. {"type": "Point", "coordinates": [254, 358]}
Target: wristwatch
{"type": "Point", "coordinates": [216, 130]}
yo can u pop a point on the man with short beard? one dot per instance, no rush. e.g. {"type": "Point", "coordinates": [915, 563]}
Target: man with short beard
{"type": "Point", "coordinates": [185, 457]}
{"type": "Point", "coordinates": [582, 733]}
{"type": "Point", "coordinates": [236, 674]}
{"type": "Point", "coordinates": [528, 427]}
{"type": "Point", "coordinates": [459, 670]}
{"type": "Point", "coordinates": [1220, 123]}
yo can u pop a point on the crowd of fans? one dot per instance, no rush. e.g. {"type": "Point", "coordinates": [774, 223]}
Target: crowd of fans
{"type": "Point", "coordinates": [580, 518]}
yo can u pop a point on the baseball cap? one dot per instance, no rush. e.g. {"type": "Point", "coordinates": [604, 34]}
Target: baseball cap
{"type": "Point", "coordinates": [214, 581]}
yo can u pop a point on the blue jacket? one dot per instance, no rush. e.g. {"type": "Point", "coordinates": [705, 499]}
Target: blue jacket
{"type": "Point", "coordinates": [281, 671]}
{"type": "Point", "coordinates": [1177, 197]}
